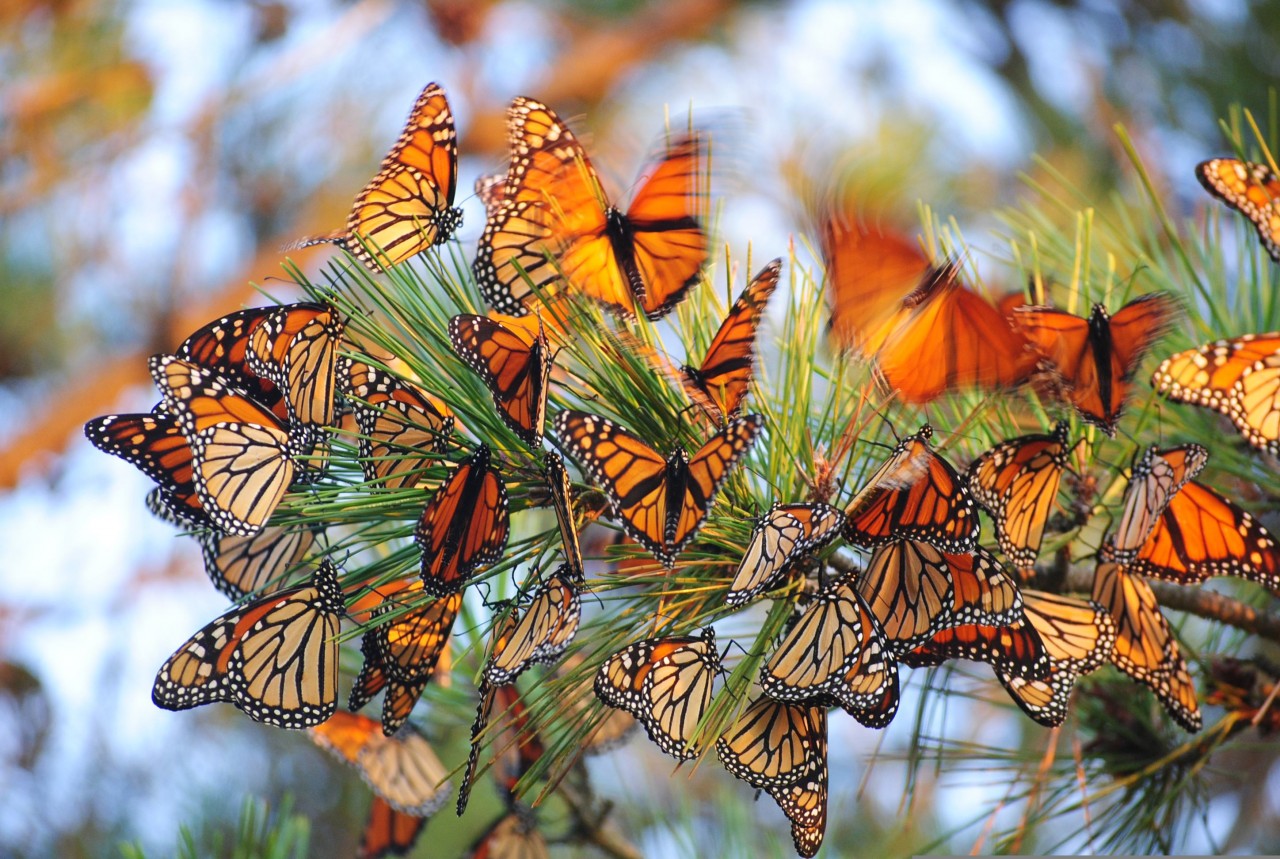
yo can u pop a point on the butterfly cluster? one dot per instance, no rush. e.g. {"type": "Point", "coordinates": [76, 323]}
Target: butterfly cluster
{"type": "Point", "coordinates": [261, 407]}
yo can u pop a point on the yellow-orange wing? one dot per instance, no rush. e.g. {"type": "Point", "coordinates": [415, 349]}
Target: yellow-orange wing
{"type": "Point", "coordinates": [1017, 481]}
{"type": "Point", "coordinates": [1207, 375]}
{"type": "Point", "coordinates": [408, 206]}
{"type": "Point", "coordinates": [543, 632]}
{"type": "Point", "coordinates": [1251, 189]}
{"type": "Point", "coordinates": [514, 368]}
{"type": "Point", "coordinates": [1153, 482]}
{"type": "Point", "coordinates": [707, 469]}
{"type": "Point", "coordinates": [784, 535]}
{"type": "Point", "coordinates": [720, 383]}
{"type": "Point", "coordinates": [388, 832]}
{"type": "Point", "coordinates": [400, 424]}
{"type": "Point", "coordinates": [1145, 648]}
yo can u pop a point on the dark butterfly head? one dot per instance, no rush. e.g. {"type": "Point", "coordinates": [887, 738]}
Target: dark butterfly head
{"type": "Point", "coordinates": [447, 223]}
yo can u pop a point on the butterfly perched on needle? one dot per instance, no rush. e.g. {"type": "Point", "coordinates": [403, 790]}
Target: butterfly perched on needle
{"type": "Point", "coordinates": [543, 632]}
{"type": "Point", "coordinates": [1094, 360]}
{"type": "Point", "coordinates": [916, 494]}
{"type": "Point", "coordinates": [408, 207]}
{"type": "Point", "coordinates": [275, 657]}
{"type": "Point", "coordinates": [661, 501]}
{"type": "Point", "coordinates": [783, 536]}
{"type": "Point", "coordinates": [1249, 188]}
{"type": "Point", "coordinates": [666, 684]}
{"type": "Point", "coordinates": [1017, 482]}
{"type": "Point", "coordinates": [400, 424]}
{"type": "Point", "coordinates": [400, 654]}
{"type": "Point", "coordinates": [1155, 478]}
{"type": "Point", "coordinates": [242, 454]}
{"type": "Point", "coordinates": [1145, 647]}
{"type": "Point", "coordinates": [513, 365]}
{"type": "Point", "coordinates": [719, 384]}
{"type": "Point", "coordinates": [781, 748]}
{"type": "Point", "coordinates": [464, 526]}
{"type": "Point", "coordinates": [553, 230]}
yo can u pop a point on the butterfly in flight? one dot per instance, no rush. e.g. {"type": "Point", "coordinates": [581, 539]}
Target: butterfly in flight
{"type": "Point", "coordinates": [1145, 647]}
{"type": "Point", "coordinates": [783, 536]}
{"type": "Point", "coordinates": [275, 657]}
{"type": "Point", "coordinates": [242, 455]}
{"type": "Point", "coordinates": [401, 654]}
{"type": "Point", "coordinates": [661, 501]}
{"type": "Point", "coordinates": [553, 230]}
{"type": "Point", "coordinates": [514, 366]}
{"type": "Point", "coordinates": [399, 423]}
{"type": "Point", "coordinates": [720, 383]}
{"type": "Point", "coordinates": [782, 748]}
{"type": "Point", "coordinates": [916, 495]}
{"type": "Point", "coordinates": [928, 332]}
{"type": "Point", "coordinates": [1017, 482]}
{"type": "Point", "coordinates": [403, 770]}
{"type": "Point", "coordinates": [665, 683]}
{"type": "Point", "coordinates": [408, 206]}
{"type": "Point", "coordinates": [464, 526]}
{"type": "Point", "coordinates": [1251, 189]}
{"type": "Point", "coordinates": [1094, 360]}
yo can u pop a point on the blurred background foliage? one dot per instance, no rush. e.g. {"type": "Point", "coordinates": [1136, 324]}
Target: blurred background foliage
{"type": "Point", "coordinates": [155, 156]}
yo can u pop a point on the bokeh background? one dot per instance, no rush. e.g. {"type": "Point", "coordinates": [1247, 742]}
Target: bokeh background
{"type": "Point", "coordinates": [155, 155]}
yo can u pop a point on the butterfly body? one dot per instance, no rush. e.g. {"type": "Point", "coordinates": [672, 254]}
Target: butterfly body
{"type": "Point", "coordinates": [464, 526]}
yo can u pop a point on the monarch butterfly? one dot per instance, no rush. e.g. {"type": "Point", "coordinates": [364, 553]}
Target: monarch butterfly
{"type": "Point", "coordinates": [662, 502]}
{"type": "Point", "coordinates": [397, 420]}
{"type": "Point", "coordinates": [983, 593]}
{"type": "Point", "coordinates": [403, 770]}
{"type": "Point", "coordinates": [275, 658]}
{"type": "Point", "coordinates": [1095, 359]}
{"type": "Point", "coordinates": [1251, 189]}
{"type": "Point", "coordinates": [562, 500]}
{"type": "Point", "coordinates": [781, 537]}
{"type": "Point", "coordinates": [499, 635]}
{"type": "Point", "coordinates": [1078, 637]}
{"type": "Point", "coordinates": [721, 382]}
{"type": "Point", "coordinates": [953, 338]}
{"type": "Point", "coordinates": [870, 274]}
{"type": "Point", "coordinates": [907, 588]}
{"type": "Point", "coordinates": [154, 444]}
{"type": "Point", "coordinates": [933, 505]}
{"type": "Point", "coordinates": [222, 346]}
{"type": "Point", "coordinates": [1145, 648]}
{"type": "Point", "coordinates": [408, 206]}
{"type": "Point", "coordinates": [1202, 534]}
{"type": "Point", "coordinates": [241, 453]}
{"type": "Point", "coordinates": [1014, 649]}
{"type": "Point", "coordinates": [464, 526]}
{"type": "Point", "coordinates": [1255, 404]}
{"type": "Point", "coordinates": [554, 224]}
{"type": "Point", "coordinates": [1207, 375]}
{"type": "Point", "coordinates": [782, 748]}
{"type": "Point", "coordinates": [515, 743]}
{"type": "Point", "coordinates": [239, 566]}
{"type": "Point", "coordinates": [514, 367]}
{"type": "Point", "coordinates": [388, 832]}
{"type": "Point", "coordinates": [295, 348]}
{"type": "Point", "coordinates": [666, 684]}
{"type": "Point", "coordinates": [1153, 482]}
{"type": "Point", "coordinates": [514, 836]}
{"type": "Point", "coordinates": [543, 632]}
{"type": "Point", "coordinates": [836, 651]}
{"type": "Point", "coordinates": [1017, 481]}
{"type": "Point", "coordinates": [401, 655]}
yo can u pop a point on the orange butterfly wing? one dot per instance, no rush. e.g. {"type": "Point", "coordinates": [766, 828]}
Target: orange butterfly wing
{"type": "Point", "coordinates": [1251, 189]}
{"type": "Point", "coordinates": [388, 832]}
{"type": "Point", "coordinates": [398, 421]}
{"type": "Point", "coordinates": [1207, 375]}
{"type": "Point", "coordinates": [721, 382]}
{"type": "Point", "coordinates": [464, 526]}
{"type": "Point", "coordinates": [515, 369]}
{"type": "Point", "coordinates": [953, 339]}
